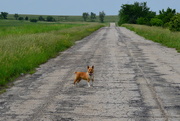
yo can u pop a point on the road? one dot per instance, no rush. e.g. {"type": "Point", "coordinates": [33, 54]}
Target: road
{"type": "Point", "coordinates": [135, 80]}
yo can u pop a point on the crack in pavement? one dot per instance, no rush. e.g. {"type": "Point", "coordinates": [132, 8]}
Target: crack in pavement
{"type": "Point", "coordinates": [130, 84]}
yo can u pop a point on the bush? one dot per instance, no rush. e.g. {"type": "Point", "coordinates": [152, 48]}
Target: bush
{"type": "Point", "coordinates": [141, 21]}
{"type": "Point", "coordinates": [156, 22]}
{"type": "Point", "coordinates": [26, 18]}
{"type": "Point", "coordinates": [33, 20]}
{"type": "Point", "coordinates": [41, 18]}
{"type": "Point", "coordinates": [174, 24]}
{"type": "Point", "coordinates": [50, 19]}
{"type": "Point", "coordinates": [21, 18]}
{"type": "Point", "coordinates": [166, 25]}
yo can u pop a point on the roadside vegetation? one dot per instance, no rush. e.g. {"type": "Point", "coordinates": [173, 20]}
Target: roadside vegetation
{"type": "Point", "coordinates": [26, 41]}
{"type": "Point", "coordinates": [139, 13]}
{"type": "Point", "coordinates": [157, 34]}
{"type": "Point", "coordinates": [24, 46]}
{"type": "Point", "coordinates": [163, 28]}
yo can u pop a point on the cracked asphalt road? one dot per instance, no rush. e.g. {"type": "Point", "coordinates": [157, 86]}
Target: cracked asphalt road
{"type": "Point", "coordinates": [135, 79]}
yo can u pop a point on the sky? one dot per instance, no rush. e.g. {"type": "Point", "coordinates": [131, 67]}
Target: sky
{"type": "Point", "coordinates": [77, 7]}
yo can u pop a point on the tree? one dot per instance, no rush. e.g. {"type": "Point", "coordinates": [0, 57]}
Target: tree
{"type": "Point", "coordinates": [26, 18]}
{"type": "Point", "coordinates": [21, 18]}
{"type": "Point", "coordinates": [41, 18]}
{"type": "Point", "coordinates": [16, 16]}
{"type": "Point", "coordinates": [85, 16]}
{"type": "Point", "coordinates": [93, 16]}
{"type": "Point", "coordinates": [101, 16]}
{"type": "Point", "coordinates": [174, 24]}
{"type": "Point", "coordinates": [50, 19]}
{"type": "Point", "coordinates": [33, 20]}
{"type": "Point", "coordinates": [129, 13]}
{"type": "Point", "coordinates": [166, 16]}
{"type": "Point", "coordinates": [4, 15]}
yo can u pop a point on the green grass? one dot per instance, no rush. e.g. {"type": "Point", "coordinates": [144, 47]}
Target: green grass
{"type": "Point", "coordinates": [24, 46]}
{"type": "Point", "coordinates": [13, 27]}
{"type": "Point", "coordinates": [157, 34]}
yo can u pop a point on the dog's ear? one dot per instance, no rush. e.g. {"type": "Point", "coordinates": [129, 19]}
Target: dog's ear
{"type": "Point", "coordinates": [87, 67]}
{"type": "Point", "coordinates": [92, 66]}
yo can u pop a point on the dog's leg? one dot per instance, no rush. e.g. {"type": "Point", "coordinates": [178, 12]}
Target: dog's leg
{"type": "Point", "coordinates": [75, 81]}
{"type": "Point", "coordinates": [88, 82]}
{"type": "Point", "coordinates": [92, 80]}
{"type": "Point", "coordinates": [78, 82]}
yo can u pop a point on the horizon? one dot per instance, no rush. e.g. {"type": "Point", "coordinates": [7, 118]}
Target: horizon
{"type": "Point", "coordinates": [76, 8]}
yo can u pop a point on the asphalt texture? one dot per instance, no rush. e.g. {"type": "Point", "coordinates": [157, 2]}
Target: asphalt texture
{"type": "Point", "coordinates": [135, 80]}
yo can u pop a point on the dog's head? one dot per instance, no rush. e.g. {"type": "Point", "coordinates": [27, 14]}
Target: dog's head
{"type": "Point", "coordinates": [90, 70]}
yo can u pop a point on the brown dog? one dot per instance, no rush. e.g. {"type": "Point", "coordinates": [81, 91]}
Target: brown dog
{"type": "Point", "coordinates": [89, 75]}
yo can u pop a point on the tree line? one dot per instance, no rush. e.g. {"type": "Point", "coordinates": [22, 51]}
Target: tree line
{"type": "Point", "coordinates": [86, 16]}
{"type": "Point", "coordinates": [139, 13]}
{"type": "Point", "coordinates": [92, 16]}
{"type": "Point", "coordinates": [4, 15]}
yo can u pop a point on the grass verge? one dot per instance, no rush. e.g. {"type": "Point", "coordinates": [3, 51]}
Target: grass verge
{"type": "Point", "coordinates": [24, 47]}
{"type": "Point", "coordinates": [157, 34]}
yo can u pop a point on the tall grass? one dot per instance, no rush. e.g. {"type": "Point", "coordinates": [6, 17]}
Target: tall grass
{"type": "Point", "coordinates": [24, 47]}
{"type": "Point", "coordinates": [157, 34]}
{"type": "Point", "coordinates": [21, 28]}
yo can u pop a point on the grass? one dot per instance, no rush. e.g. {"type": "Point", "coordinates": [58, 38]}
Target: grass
{"type": "Point", "coordinates": [13, 27]}
{"type": "Point", "coordinates": [157, 34]}
{"type": "Point", "coordinates": [24, 46]}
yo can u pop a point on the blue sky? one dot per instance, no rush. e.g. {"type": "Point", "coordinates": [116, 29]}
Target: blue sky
{"type": "Point", "coordinates": [77, 7]}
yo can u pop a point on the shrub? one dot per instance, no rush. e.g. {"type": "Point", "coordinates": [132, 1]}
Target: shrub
{"type": "Point", "coordinates": [50, 19]}
{"type": "Point", "coordinates": [141, 21]}
{"type": "Point", "coordinates": [41, 18]}
{"type": "Point", "coordinates": [166, 25]}
{"type": "Point", "coordinates": [174, 24]}
{"type": "Point", "coordinates": [33, 20]}
{"type": "Point", "coordinates": [156, 22]}
{"type": "Point", "coordinates": [21, 18]}
{"type": "Point", "coordinates": [26, 18]}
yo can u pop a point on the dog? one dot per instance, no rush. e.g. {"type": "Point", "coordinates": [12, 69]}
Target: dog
{"type": "Point", "coordinates": [88, 76]}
